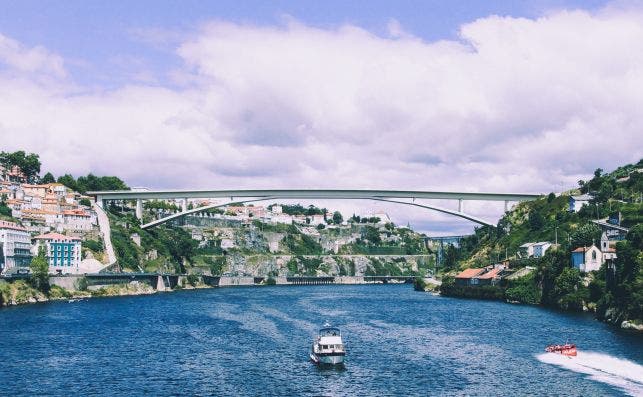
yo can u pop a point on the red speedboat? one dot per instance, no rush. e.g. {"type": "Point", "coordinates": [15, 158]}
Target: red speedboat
{"type": "Point", "coordinates": [568, 349]}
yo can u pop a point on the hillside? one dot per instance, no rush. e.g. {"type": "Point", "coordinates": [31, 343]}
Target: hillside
{"type": "Point", "coordinates": [224, 245]}
{"type": "Point", "coordinates": [614, 295]}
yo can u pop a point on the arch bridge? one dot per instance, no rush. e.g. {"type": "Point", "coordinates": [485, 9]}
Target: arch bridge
{"type": "Point", "coordinates": [247, 196]}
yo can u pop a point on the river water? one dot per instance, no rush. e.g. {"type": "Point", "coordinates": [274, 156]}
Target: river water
{"type": "Point", "coordinates": [254, 342]}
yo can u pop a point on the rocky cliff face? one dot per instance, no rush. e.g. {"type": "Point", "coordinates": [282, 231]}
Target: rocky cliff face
{"type": "Point", "coordinates": [324, 265]}
{"type": "Point", "coordinates": [262, 249]}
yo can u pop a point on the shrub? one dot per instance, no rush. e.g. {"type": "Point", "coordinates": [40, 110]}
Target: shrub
{"type": "Point", "coordinates": [193, 279]}
{"type": "Point", "coordinates": [81, 284]}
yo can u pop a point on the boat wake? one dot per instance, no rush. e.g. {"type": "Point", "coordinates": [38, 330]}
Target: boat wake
{"type": "Point", "coordinates": [604, 368]}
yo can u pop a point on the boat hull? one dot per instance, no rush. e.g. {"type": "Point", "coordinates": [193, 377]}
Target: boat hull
{"type": "Point", "coordinates": [568, 350]}
{"type": "Point", "coordinates": [330, 359]}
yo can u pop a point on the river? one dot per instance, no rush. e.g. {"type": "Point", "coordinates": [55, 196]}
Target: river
{"type": "Point", "coordinates": [254, 341]}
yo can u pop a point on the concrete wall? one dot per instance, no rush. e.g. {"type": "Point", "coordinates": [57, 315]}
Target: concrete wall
{"type": "Point", "coordinates": [66, 282]}
{"type": "Point", "coordinates": [234, 281]}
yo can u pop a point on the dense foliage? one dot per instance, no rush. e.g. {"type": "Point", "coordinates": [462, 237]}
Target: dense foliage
{"type": "Point", "coordinates": [298, 209]}
{"type": "Point", "coordinates": [92, 182]}
{"type": "Point", "coordinates": [29, 164]}
{"type": "Point", "coordinates": [174, 246]}
{"type": "Point", "coordinates": [40, 271]}
{"type": "Point", "coordinates": [615, 294]}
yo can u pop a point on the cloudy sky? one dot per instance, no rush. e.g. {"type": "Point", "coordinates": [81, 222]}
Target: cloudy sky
{"type": "Point", "coordinates": [426, 95]}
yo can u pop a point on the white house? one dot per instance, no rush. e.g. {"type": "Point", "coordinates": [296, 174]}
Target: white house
{"type": "Point", "coordinates": [227, 243]}
{"type": "Point", "coordinates": [15, 245]}
{"type": "Point", "coordinates": [535, 250]}
{"type": "Point", "coordinates": [587, 259]}
{"type": "Point", "coordinates": [608, 252]}
{"type": "Point", "coordinates": [78, 219]}
{"type": "Point", "coordinates": [577, 202]}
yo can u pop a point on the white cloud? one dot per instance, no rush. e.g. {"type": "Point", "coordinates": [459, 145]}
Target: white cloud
{"type": "Point", "coordinates": [514, 105]}
{"type": "Point", "coordinates": [31, 60]}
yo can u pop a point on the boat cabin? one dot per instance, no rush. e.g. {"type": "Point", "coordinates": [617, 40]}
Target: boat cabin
{"type": "Point", "coordinates": [329, 331]}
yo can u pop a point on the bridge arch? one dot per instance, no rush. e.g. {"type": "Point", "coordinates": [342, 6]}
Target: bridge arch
{"type": "Point", "coordinates": [425, 206]}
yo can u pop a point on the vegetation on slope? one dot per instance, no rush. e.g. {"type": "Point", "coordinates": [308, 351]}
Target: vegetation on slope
{"type": "Point", "coordinates": [614, 296]}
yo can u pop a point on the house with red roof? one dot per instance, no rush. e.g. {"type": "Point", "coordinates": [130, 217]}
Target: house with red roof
{"type": "Point", "coordinates": [469, 276]}
{"type": "Point", "coordinates": [492, 277]}
{"type": "Point", "coordinates": [587, 259]}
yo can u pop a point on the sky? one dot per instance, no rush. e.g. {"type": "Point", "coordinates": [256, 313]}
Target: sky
{"type": "Point", "coordinates": [486, 96]}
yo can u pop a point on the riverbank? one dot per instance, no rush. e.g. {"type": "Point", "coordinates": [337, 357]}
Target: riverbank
{"type": "Point", "coordinates": [503, 294]}
{"type": "Point", "coordinates": [20, 292]}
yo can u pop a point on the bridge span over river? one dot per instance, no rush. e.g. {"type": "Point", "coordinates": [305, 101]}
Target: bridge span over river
{"type": "Point", "coordinates": [247, 196]}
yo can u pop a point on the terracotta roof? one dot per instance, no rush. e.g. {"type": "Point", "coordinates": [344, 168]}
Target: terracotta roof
{"type": "Point", "coordinates": [468, 273]}
{"type": "Point", "coordinates": [29, 186]}
{"type": "Point", "coordinates": [77, 212]}
{"type": "Point", "coordinates": [41, 212]}
{"type": "Point", "coordinates": [490, 274]}
{"type": "Point", "coordinates": [584, 249]}
{"type": "Point", "coordinates": [11, 225]}
{"type": "Point", "coordinates": [56, 236]}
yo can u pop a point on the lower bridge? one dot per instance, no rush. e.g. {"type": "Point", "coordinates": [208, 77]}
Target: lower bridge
{"type": "Point", "coordinates": [161, 281]}
{"type": "Point", "coordinates": [310, 280]}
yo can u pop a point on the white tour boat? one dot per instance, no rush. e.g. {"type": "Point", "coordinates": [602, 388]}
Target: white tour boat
{"type": "Point", "coordinates": [328, 347]}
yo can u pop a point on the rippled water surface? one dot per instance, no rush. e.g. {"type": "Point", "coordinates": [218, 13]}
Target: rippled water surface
{"type": "Point", "coordinates": [255, 341]}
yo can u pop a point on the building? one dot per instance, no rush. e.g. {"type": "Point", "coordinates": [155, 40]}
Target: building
{"type": "Point", "coordinates": [63, 252]}
{"type": "Point", "coordinates": [577, 202]}
{"type": "Point", "coordinates": [13, 174]}
{"type": "Point", "coordinates": [614, 231]}
{"type": "Point", "coordinates": [77, 220]}
{"type": "Point", "coordinates": [492, 277]}
{"type": "Point", "coordinates": [608, 252]}
{"type": "Point", "coordinates": [534, 250]}
{"type": "Point", "coordinates": [469, 276]}
{"type": "Point", "coordinates": [587, 259]}
{"type": "Point", "coordinates": [15, 245]}
{"type": "Point", "coordinates": [35, 190]}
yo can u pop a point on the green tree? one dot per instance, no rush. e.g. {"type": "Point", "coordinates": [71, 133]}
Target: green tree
{"type": "Point", "coordinates": [29, 164]}
{"type": "Point", "coordinates": [569, 290]}
{"type": "Point", "coordinates": [337, 218]}
{"type": "Point", "coordinates": [585, 235]}
{"type": "Point", "coordinates": [536, 220]}
{"type": "Point", "coordinates": [48, 178]}
{"type": "Point", "coordinates": [68, 180]}
{"type": "Point", "coordinates": [85, 202]}
{"type": "Point", "coordinates": [372, 234]}
{"type": "Point", "coordinates": [450, 257]}
{"type": "Point", "coordinates": [40, 271]}
{"type": "Point", "coordinates": [635, 236]}
{"type": "Point", "coordinates": [549, 268]}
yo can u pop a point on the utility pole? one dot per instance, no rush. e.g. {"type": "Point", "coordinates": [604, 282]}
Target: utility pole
{"type": "Point", "coordinates": [556, 233]}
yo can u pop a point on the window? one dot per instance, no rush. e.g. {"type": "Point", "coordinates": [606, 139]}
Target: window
{"type": "Point", "coordinates": [593, 255]}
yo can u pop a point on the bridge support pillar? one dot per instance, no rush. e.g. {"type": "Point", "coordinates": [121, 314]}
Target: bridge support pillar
{"type": "Point", "coordinates": [184, 205]}
{"type": "Point", "coordinates": [460, 205]}
{"type": "Point", "coordinates": [506, 205]}
{"type": "Point", "coordinates": [139, 209]}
